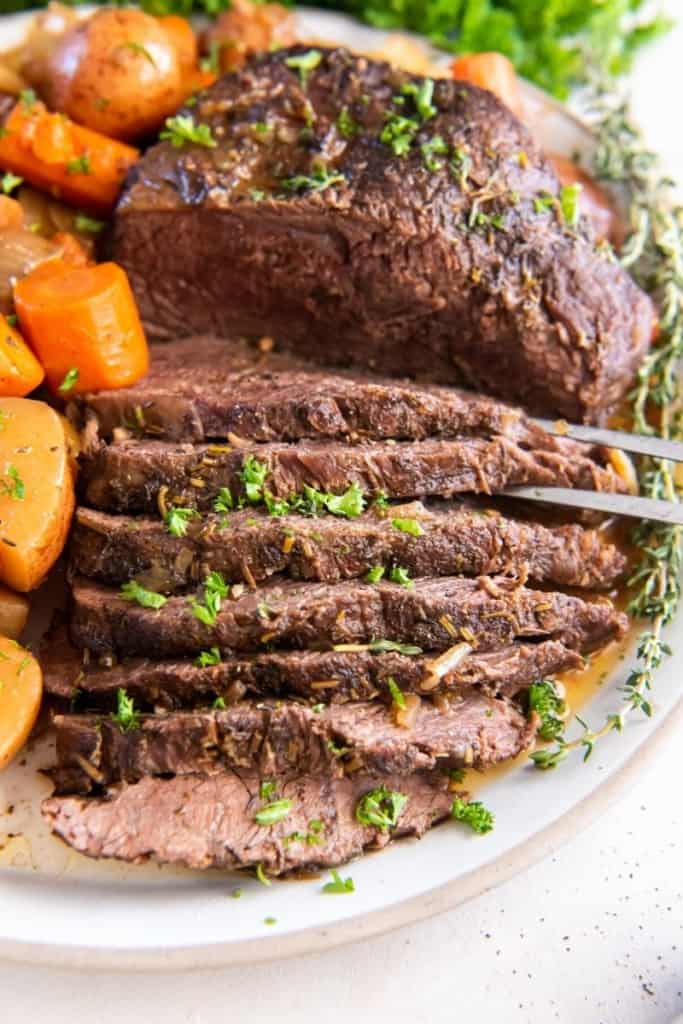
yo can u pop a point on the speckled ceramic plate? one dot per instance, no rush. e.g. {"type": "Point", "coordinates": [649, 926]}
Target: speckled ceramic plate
{"type": "Point", "coordinates": [58, 907]}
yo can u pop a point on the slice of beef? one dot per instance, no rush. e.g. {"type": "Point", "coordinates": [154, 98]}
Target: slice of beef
{"type": "Point", "coordinates": [250, 546]}
{"type": "Point", "coordinates": [289, 739]}
{"type": "Point", "coordinates": [334, 676]}
{"type": "Point", "coordinates": [348, 251]}
{"type": "Point", "coordinates": [127, 477]}
{"type": "Point", "coordinates": [203, 388]}
{"type": "Point", "coordinates": [205, 821]}
{"type": "Point", "coordinates": [434, 614]}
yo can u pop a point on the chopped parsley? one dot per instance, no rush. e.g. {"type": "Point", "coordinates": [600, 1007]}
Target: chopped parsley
{"type": "Point", "coordinates": [207, 658]}
{"type": "Point", "coordinates": [350, 504]}
{"type": "Point", "coordinates": [262, 876]}
{"type": "Point", "coordinates": [215, 589]}
{"type": "Point", "coordinates": [381, 808]}
{"type": "Point", "coordinates": [410, 526]}
{"type": "Point", "coordinates": [177, 520]}
{"type": "Point", "coordinates": [274, 812]}
{"type": "Point", "coordinates": [132, 591]}
{"type": "Point", "coordinates": [422, 95]}
{"type": "Point", "coordinates": [305, 63]}
{"type": "Point", "coordinates": [400, 575]}
{"type": "Point", "coordinates": [182, 128]}
{"type": "Point", "coordinates": [375, 574]}
{"type": "Point", "coordinates": [474, 814]}
{"type": "Point", "coordinates": [87, 225]}
{"type": "Point", "coordinates": [399, 131]}
{"type": "Point", "coordinates": [126, 717]}
{"type": "Point", "coordinates": [346, 126]}
{"type": "Point", "coordinates": [384, 646]}
{"type": "Point", "coordinates": [70, 380]}
{"type": "Point", "coordinates": [219, 704]}
{"type": "Point", "coordinates": [9, 182]}
{"type": "Point", "coordinates": [223, 501]}
{"type": "Point", "coordinates": [381, 501]}
{"type": "Point", "coordinates": [270, 920]}
{"type": "Point", "coordinates": [13, 486]}
{"type": "Point", "coordinates": [79, 165]}
{"type": "Point", "coordinates": [338, 885]}
{"type": "Point", "coordinates": [544, 203]}
{"type": "Point", "coordinates": [396, 693]}
{"type": "Point", "coordinates": [267, 789]}
{"type": "Point", "coordinates": [544, 699]}
{"type": "Point", "coordinates": [253, 476]}
{"type": "Point", "coordinates": [570, 196]}
{"type": "Point", "coordinates": [318, 180]}
{"type": "Point", "coordinates": [430, 150]}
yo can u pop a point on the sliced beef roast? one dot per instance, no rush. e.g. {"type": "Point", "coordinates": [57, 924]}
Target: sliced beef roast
{"type": "Point", "coordinates": [250, 546]}
{"type": "Point", "coordinates": [127, 477]}
{"type": "Point", "coordinates": [313, 675]}
{"type": "Point", "coordinates": [343, 234]}
{"type": "Point", "coordinates": [434, 614]}
{"type": "Point", "coordinates": [205, 821]}
{"type": "Point", "coordinates": [287, 738]}
{"type": "Point", "coordinates": [205, 388]}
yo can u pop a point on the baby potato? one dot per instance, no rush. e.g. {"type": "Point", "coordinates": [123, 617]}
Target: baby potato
{"type": "Point", "coordinates": [37, 471]}
{"type": "Point", "coordinates": [13, 613]}
{"type": "Point", "coordinates": [118, 72]}
{"type": "Point", "coordinates": [21, 690]}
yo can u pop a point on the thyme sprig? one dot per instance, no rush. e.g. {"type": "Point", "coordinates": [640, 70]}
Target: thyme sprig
{"type": "Point", "coordinates": [653, 253]}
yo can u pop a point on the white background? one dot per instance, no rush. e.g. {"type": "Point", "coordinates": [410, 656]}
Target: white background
{"type": "Point", "coordinates": [593, 935]}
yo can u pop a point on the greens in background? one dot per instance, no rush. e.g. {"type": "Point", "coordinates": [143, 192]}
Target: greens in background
{"type": "Point", "coordinates": [550, 42]}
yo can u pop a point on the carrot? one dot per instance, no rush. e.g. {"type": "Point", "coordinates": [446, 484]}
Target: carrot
{"type": "Point", "coordinates": [62, 158]}
{"type": "Point", "coordinates": [181, 36]}
{"type": "Point", "coordinates": [73, 252]}
{"type": "Point", "coordinates": [494, 72]}
{"type": "Point", "coordinates": [20, 371]}
{"type": "Point", "coordinates": [11, 213]}
{"type": "Point", "coordinates": [83, 325]}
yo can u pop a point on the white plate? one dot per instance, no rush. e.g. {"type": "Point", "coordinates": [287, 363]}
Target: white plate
{"type": "Point", "coordinates": [58, 907]}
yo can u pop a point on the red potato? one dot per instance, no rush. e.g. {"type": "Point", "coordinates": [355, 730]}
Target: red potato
{"type": "Point", "coordinates": [118, 73]}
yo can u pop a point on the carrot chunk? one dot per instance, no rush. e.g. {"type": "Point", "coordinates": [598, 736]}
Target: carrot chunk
{"type": "Point", "coordinates": [83, 324]}
{"type": "Point", "coordinates": [62, 158]}
{"type": "Point", "coordinates": [20, 371]}
{"type": "Point", "coordinates": [494, 72]}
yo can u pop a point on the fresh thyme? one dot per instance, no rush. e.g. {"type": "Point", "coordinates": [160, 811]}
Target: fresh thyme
{"type": "Point", "coordinates": [653, 253]}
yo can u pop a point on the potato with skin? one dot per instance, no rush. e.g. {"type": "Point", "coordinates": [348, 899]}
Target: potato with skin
{"type": "Point", "coordinates": [37, 473]}
{"type": "Point", "coordinates": [118, 73]}
{"type": "Point", "coordinates": [21, 691]}
{"type": "Point", "coordinates": [14, 611]}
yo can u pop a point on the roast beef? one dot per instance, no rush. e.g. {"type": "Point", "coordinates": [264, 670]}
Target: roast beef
{"type": "Point", "coordinates": [340, 232]}
{"type": "Point", "coordinates": [249, 547]}
{"type": "Point", "coordinates": [434, 614]}
{"type": "Point", "coordinates": [203, 388]}
{"type": "Point", "coordinates": [313, 675]}
{"type": "Point", "coordinates": [288, 739]}
{"type": "Point", "coordinates": [128, 476]}
{"type": "Point", "coordinates": [205, 821]}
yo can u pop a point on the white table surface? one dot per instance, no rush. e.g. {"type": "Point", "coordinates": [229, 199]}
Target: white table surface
{"type": "Point", "coordinates": [592, 935]}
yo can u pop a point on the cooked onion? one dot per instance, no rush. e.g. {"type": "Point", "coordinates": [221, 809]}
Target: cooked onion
{"type": "Point", "coordinates": [20, 252]}
{"type": "Point", "coordinates": [445, 663]}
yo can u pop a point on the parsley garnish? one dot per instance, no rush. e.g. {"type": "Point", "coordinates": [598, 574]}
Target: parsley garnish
{"type": "Point", "coordinates": [215, 589]}
{"type": "Point", "coordinates": [398, 133]}
{"type": "Point", "coordinates": [381, 808]}
{"type": "Point", "coordinates": [13, 486]}
{"type": "Point", "coordinates": [544, 203]}
{"type": "Point", "coordinates": [410, 526]}
{"type": "Point", "coordinates": [274, 812]}
{"type": "Point", "coordinates": [474, 814]}
{"type": "Point", "coordinates": [223, 501]}
{"type": "Point", "coordinates": [86, 225]}
{"type": "Point", "coordinates": [80, 165]}
{"type": "Point", "coordinates": [126, 717]}
{"type": "Point", "coordinates": [182, 129]}
{"type": "Point", "coordinates": [270, 920]}
{"type": "Point", "coordinates": [384, 646]}
{"type": "Point", "coordinates": [132, 591]}
{"type": "Point", "coordinates": [9, 182]}
{"type": "Point", "coordinates": [570, 203]}
{"type": "Point", "coordinates": [219, 704]}
{"type": "Point", "coordinates": [544, 699]}
{"type": "Point", "coordinates": [177, 520]}
{"type": "Point", "coordinates": [262, 876]}
{"type": "Point", "coordinates": [400, 575]}
{"type": "Point", "coordinates": [266, 789]}
{"type": "Point", "coordinates": [434, 147]}
{"type": "Point", "coordinates": [70, 381]}
{"type": "Point", "coordinates": [396, 693]}
{"type": "Point", "coordinates": [305, 63]}
{"type": "Point", "coordinates": [350, 504]}
{"type": "Point", "coordinates": [253, 475]}
{"type": "Point", "coordinates": [375, 574]}
{"type": "Point", "coordinates": [381, 501]}
{"type": "Point", "coordinates": [338, 884]}
{"type": "Point", "coordinates": [206, 658]}
{"type": "Point", "coordinates": [346, 126]}
{"type": "Point", "coordinates": [317, 181]}
{"type": "Point", "coordinates": [422, 95]}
